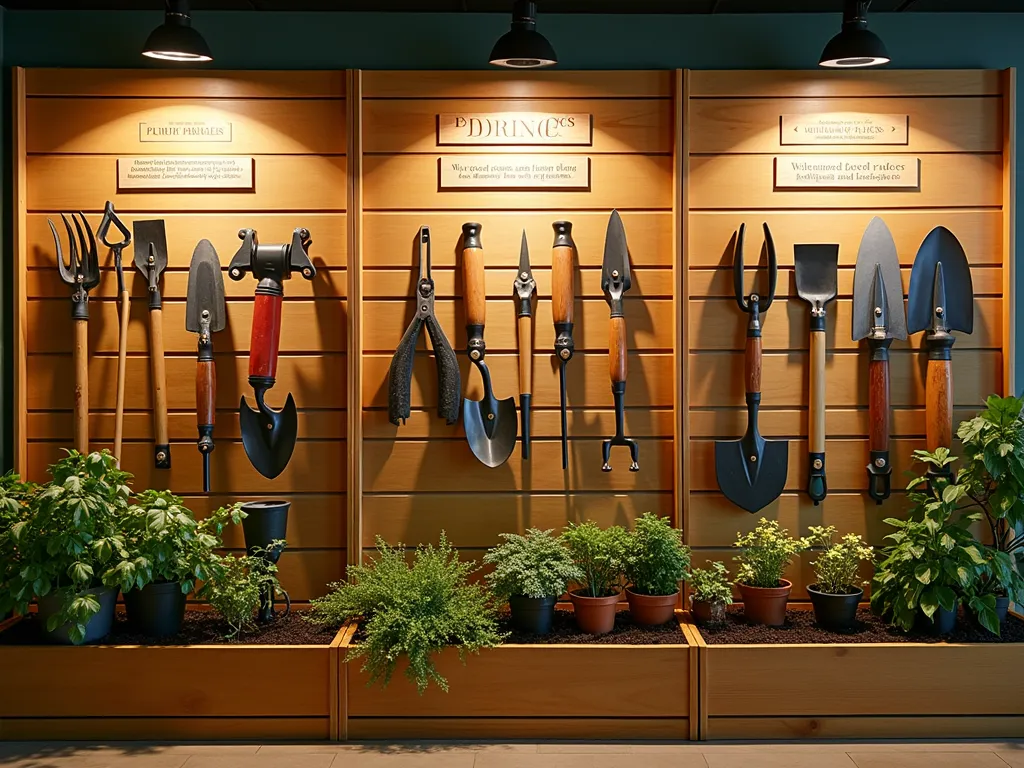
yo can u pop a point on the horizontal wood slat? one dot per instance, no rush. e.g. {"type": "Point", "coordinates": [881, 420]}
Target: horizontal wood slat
{"type": "Point", "coordinates": [498, 85]}
{"type": "Point", "coordinates": [839, 422]}
{"type": "Point", "coordinates": [175, 83]}
{"type": "Point", "coordinates": [315, 521]}
{"type": "Point", "coordinates": [861, 83]}
{"type": "Point", "coordinates": [165, 728]}
{"type": "Point", "coordinates": [530, 729]}
{"type": "Point", "coordinates": [865, 727]}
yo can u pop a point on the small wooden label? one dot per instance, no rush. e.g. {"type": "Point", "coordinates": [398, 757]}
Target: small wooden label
{"type": "Point", "coordinates": [516, 172]}
{"type": "Point", "coordinates": [847, 172]}
{"type": "Point", "coordinates": [185, 172]}
{"type": "Point", "coordinates": [514, 129]}
{"type": "Point", "coordinates": [829, 128]}
{"type": "Point", "coordinates": [185, 131]}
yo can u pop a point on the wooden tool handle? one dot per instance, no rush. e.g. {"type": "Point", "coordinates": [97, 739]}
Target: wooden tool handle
{"type": "Point", "coordinates": [525, 355]}
{"type": "Point", "coordinates": [879, 412]}
{"type": "Point", "coordinates": [752, 364]}
{"type": "Point", "coordinates": [266, 336]}
{"type": "Point", "coordinates": [122, 352]}
{"type": "Point", "coordinates": [562, 299]}
{"type": "Point", "coordinates": [82, 386]}
{"type": "Point", "coordinates": [939, 404]}
{"type": "Point", "coordinates": [816, 433]}
{"type": "Point", "coordinates": [617, 349]}
{"type": "Point", "coordinates": [156, 351]}
{"type": "Point", "coordinates": [206, 393]}
{"type": "Point", "coordinates": [475, 291]}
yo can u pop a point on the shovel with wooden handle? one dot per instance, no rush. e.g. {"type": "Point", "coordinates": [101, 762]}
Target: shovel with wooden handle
{"type": "Point", "coordinates": [151, 261]}
{"type": "Point", "coordinates": [817, 277]}
{"type": "Point", "coordinates": [110, 218]}
{"type": "Point", "coordinates": [562, 301]}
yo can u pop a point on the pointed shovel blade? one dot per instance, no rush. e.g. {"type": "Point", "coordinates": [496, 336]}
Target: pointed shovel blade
{"type": "Point", "coordinates": [751, 485]}
{"type": "Point", "coordinates": [940, 247]}
{"type": "Point", "coordinates": [205, 289]}
{"type": "Point", "coordinates": [878, 285]}
{"type": "Point", "coordinates": [269, 436]}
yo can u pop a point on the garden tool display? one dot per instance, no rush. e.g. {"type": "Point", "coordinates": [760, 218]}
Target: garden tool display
{"type": "Point", "coordinates": [562, 305]}
{"type": "Point", "coordinates": [268, 435]}
{"type": "Point", "coordinates": [525, 286]}
{"type": "Point", "coordinates": [879, 317]}
{"type": "Point", "coordinates": [110, 217]}
{"type": "Point", "coordinates": [940, 300]}
{"type": "Point", "coordinates": [205, 314]}
{"type": "Point", "coordinates": [449, 381]}
{"type": "Point", "coordinates": [817, 277]}
{"type": "Point", "coordinates": [490, 423]}
{"type": "Point", "coordinates": [751, 471]}
{"type": "Point", "coordinates": [82, 274]}
{"type": "Point", "coordinates": [151, 261]}
{"type": "Point", "coordinates": [615, 281]}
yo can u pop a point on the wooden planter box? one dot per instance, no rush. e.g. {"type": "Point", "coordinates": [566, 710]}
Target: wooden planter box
{"type": "Point", "coordinates": [860, 690]}
{"type": "Point", "coordinates": [111, 692]}
{"type": "Point", "coordinates": [535, 692]}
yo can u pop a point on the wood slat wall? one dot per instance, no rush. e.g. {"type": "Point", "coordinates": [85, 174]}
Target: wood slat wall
{"type": "Point", "coordinates": [421, 478]}
{"type": "Point", "coordinates": [957, 129]}
{"type": "Point", "coordinates": [76, 124]}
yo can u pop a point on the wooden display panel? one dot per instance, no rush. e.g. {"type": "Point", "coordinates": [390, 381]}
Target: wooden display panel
{"type": "Point", "coordinates": [75, 125]}
{"type": "Point", "coordinates": [957, 129]}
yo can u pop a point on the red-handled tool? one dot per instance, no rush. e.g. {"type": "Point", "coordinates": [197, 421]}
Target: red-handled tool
{"type": "Point", "coordinates": [269, 435]}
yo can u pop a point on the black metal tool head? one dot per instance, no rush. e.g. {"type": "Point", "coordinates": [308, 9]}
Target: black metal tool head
{"type": "Point", "coordinates": [878, 287]}
{"type": "Point", "coordinates": [941, 295]}
{"type": "Point", "coordinates": [751, 471]}
{"type": "Point", "coordinates": [110, 218]}
{"type": "Point", "coordinates": [762, 300]}
{"type": "Point", "coordinates": [615, 275]}
{"type": "Point", "coordinates": [272, 262]}
{"type": "Point", "coordinates": [268, 436]}
{"type": "Point", "coordinates": [151, 256]}
{"type": "Point", "coordinates": [205, 309]}
{"type": "Point", "coordinates": [524, 285]}
{"type": "Point", "coordinates": [634, 452]}
{"type": "Point", "coordinates": [817, 274]}
{"type": "Point", "coordinates": [82, 270]}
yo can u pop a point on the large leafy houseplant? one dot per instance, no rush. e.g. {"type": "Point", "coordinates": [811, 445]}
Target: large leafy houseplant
{"type": "Point", "coordinates": [412, 611]}
{"type": "Point", "coordinates": [765, 553]}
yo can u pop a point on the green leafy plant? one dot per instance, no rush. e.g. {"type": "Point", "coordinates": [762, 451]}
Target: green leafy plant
{"type": "Point", "coordinates": [535, 565]}
{"type": "Point", "coordinates": [66, 538]}
{"type": "Point", "coordinates": [711, 585]}
{"type": "Point", "coordinates": [235, 590]}
{"type": "Point", "coordinates": [837, 565]}
{"type": "Point", "coordinates": [600, 554]}
{"type": "Point", "coordinates": [656, 558]}
{"type": "Point", "coordinates": [412, 610]}
{"type": "Point", "coordinates": [14, 500]}
{"type": "Point", "coordinates": [933, 558]}
{"type": "Point", "coordinates": [765, 554]}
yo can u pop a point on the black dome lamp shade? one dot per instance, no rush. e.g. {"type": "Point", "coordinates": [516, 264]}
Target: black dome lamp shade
{"type": "Point", "coordinates": [523, 47]}
{"type": "Point", "coordinates": [175, 39]}
{"type": "Point", "coordinates": [855, 45]}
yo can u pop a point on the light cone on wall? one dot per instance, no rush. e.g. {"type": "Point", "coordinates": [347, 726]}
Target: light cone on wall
{"type": "Point", "coordinates": [523, 47]}
{"type": "Point", "coordinates": [855, 45]}
{"type": "Point", "coordinates": [175, 39]}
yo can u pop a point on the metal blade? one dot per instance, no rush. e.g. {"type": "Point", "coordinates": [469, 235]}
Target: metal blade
{"type": "Point", "coordinates": [615, 277]}
{"type": "Point", "coordinates": [940, 254]}
{"type": "Point", "coordinates": [524, 283]}
{"type": "Point", "coordinates": [205, 289]}
{"type": "Point", "coordinates": [817, 272]}
{"type": "Point", "coordinates": [877, 256]}
{"type": "Point", "coordinates": [268, 435]}
{"type": "Point", "coordinates": [525, 273]}
{"type": "Point", "coordinates": [144, 234]}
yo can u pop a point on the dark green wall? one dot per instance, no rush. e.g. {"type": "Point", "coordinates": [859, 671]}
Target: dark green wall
{"type": "Point", "coordinates": [462, 41]}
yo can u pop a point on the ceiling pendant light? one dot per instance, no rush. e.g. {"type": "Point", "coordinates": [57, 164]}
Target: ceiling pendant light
{"type": "Point", "coordinates": [523, 47]}
{"type": "Point", "coordinates": [175, 39]}
{"type": "Point", "coordinates": [855, 45]}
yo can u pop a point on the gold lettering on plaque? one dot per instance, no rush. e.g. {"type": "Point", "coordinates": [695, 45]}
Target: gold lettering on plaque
{"type": "Point", "coordinates": [185, 131]}
{"type": "Point", "coordinates": [514, 128]}
{"type": "Point", "coordinates": [833, 128]}
{"type": "Point", "coordinates": [514, 172]}
{"type": "Point", "coordinates": [852, 172]}
{"type": "Point", "coordinates": [205, 172]}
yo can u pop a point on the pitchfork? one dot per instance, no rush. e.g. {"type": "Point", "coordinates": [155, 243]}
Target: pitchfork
{"type": "Point", "coordinates": [82, 274]}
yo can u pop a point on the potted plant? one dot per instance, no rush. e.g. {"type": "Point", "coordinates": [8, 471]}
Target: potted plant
{"type": "Point", "coordinates": [988, 599]}
{"type": "Point", "coordinates": [933, 558]}
{"type": "Point", "coordinates": [531, 572]}
{"type": "Point", "coordinates": [655, 562]}
{"type": "Point", "coordinates": [599, 553]}
{"type": "Point", "coordinates": [765, 554]}
{"type": "Point", "coordinates": [170, 551]}
{"type": "Point", "coordinates": [411, 611]}
{"type": "Point", "coordinates": [65, 543]}
{"type": "Point", "coordinates": [835, 593]}
{"type": "Point", "coordinates": [710, 593]}
{"type": "Point", "coordinates": [237, 591]}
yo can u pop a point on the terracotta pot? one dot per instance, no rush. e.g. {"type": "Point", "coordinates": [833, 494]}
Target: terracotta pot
{"type": "Point", "coordinates": [594, 615]}
{"type": "Point", "coordinates": [706, 612]}
{"type": "Point", "coordinates": [766, 605]}
{"type": "Point", "coordinates": [651, 610]}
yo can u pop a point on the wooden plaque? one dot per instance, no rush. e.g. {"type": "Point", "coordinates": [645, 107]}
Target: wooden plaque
{"type": "Point", "coordinates": [186, 172]}
{"type": "Point", "coordinates": [514, 172]}
{"type": "Point", "coordinates": [832, 128]}
{"type": "Point", "coordinates": [185, 131]}
{"type": "Point", "coordinates": [514, 129]}
{"type": "Point", "coordinates": [847, 172]}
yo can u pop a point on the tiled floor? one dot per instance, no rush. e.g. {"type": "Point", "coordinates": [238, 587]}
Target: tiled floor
{"type": "Point", "coordinates": [932, 754]}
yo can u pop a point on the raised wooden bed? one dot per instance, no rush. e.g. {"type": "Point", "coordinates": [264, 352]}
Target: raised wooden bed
{"type": "Point", "coordinates": [170, 692]}
{"type": "Point", "coordinates": [869, 690]}
{"type": "Point", "coordinates": [536, 691]}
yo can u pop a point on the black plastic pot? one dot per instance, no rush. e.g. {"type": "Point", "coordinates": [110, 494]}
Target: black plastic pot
{"type": "Point", "coordinates": [156, 610]}
{"type": "Point", "coordinates": [837, 613]}
{"type": "Point", "coordinates": [1002, 609]}
{"type": "Point", "coordinates": [264, 522]}
{"type": "Point", "coordinates": [942, 623]}
{"type": "Point", "coordinates": [532, 614]}
{"type": "Point", "coordinates": [96, 628]}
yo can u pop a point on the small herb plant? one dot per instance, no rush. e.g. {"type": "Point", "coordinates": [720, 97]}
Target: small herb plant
{"type": "Point", "coordinates": [837, 565]}
{"type": "Point", "coordinates": [600, 554]}
{"type": "Point", "coordinates": [235, 591]}
{"type": "Point", "coordinates": [656, 558]}
{"type": "Point", "coordinates": [413, 610]}
{"type": "Point", "coordinates": [765, 554]}
{"type": "Point", "coordinates": [711, 585]}
{"type": "Point", "coordinates": [535, 565]}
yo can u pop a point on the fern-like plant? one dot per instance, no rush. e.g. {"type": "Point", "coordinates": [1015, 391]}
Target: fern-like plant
{"type": "Point", "coordinates": [535, 565]}
{"type": "Point", "coordinates": [711, 585]}
{"type": "Point", "coordinates": [600, 553]}
{"type": "Point", "coordinates": [656, 558]}
{"type": "Point", "coordinates": [235, 590]}
{"type": "Point", "coordinates": [412, 611]}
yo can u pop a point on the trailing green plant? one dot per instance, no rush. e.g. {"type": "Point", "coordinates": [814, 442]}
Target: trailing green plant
{"type": "Point", "coordinates": [66, 538]}
{"type": "Point", "coordinates": [535, 565]}
{"type": "Point", "coordinates": [765, 554]}
{"type": "Point", "coordinates": [412, 610]}
{"type": "Point", "coordinates": [934, 558]}
{"type": "Point", "coordinates": [711, 585]}
{"type": "Point", "coordinates": [656, 558]}
{"type": "Point", "coordinates": [235, 590]}
{"type": "Point", "coordinates": [839, 561]}
{"type": "Point", "coordinates": [600, 554]}
{"type": "Point", "coordinates": [14, 499]}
